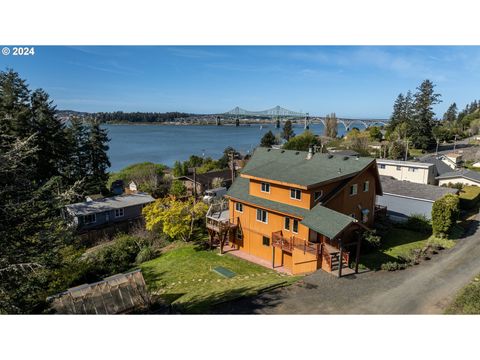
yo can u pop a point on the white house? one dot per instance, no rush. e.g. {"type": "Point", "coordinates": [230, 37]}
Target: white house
{"type": "Point", "coordinates": [463, 176]}
{"type": "Point", "coordinates": [417, 172]}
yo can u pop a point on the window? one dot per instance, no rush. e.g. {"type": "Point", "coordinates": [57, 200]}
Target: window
{"type": "Point", "coordinates": [265, 187]}
{"type": "Point", "coordinates": [317, 195]}
{"type": "Point", "coordinates": [287, 224]}
{"type": "Point", "coordinates": [381, 166]}
{"type": "Point", "coordinates": [399, 168]}
{"type": "Point", "coordinates": [353, 189]}
{"type": "Point", "coordinates": [366, 186]}
{"type": "Point", "coordinates": [295, 226]}
{"type": "Point", "coordinates": [90, 219]}
{"type": "Point", "coordinates": [353, 216]}
{"type": "Point", "coordinates": [266, 241]}
{"type": "Point", "coordinates": [295, 194]}
{"type": "Point", "coordinates": [239, 207]}
{"type": "Point", "coordinates": [262, 216]}
{"type": "Point", "coordinates": [119, 212]}
{"type": "Point", "coordinates": [411, 169]}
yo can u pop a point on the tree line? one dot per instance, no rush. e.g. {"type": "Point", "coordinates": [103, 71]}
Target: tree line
{"type": "Point", "coordinates": [153, 117]}
{"type": "Point", "coordinates": [44, 165]}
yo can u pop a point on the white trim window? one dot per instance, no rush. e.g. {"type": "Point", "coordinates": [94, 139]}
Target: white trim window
{"type": "Point", "coordinates": [381, 166]}
{"type": "Point", "coordinates": [366, 186]}
{"type": "Point", "coordinates": [295, 226]}
{"type": "Point", "coordinates": [411, 169]}
{"type": "Point", "coordinates": [399, 168]}
{"type": "Point", "coordinates": [239, 207]}
{"type": "Point", "coordinates": [295, 194]}
{"type": "Point", "coordinates": [89, 219]}
{"type": "Point", "coordinates": [262, 216]}
{"type": "Point", "coordinates": [119, 212]}
{"type": "Point", "coordinates": [286, 224]}
{"type": "Point", "coordinates": [353, 189]}
{"type": "Point", "coordinates": [265, 187]}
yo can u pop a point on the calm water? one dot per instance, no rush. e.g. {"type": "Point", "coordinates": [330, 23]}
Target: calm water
{"type": "Point", "coordinates": [165, 144]}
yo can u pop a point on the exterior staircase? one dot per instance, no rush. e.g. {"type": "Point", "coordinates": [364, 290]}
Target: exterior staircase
{"type": "Point", "coordinates": [335, 261]}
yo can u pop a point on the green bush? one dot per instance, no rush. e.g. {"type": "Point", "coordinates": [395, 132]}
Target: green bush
{"type": "Point", "coordinates": [419, 222]}
{"type": "Point", "coordinates": [445, 212]}
{"type": "Point", "coordinates": [372, 239]}
{"type": "Point", "coordinates": [392, 266]}
{"type": "Point", "coordinates": [147, 253]}
{"type": "Point", "coordinates": [469, 197]}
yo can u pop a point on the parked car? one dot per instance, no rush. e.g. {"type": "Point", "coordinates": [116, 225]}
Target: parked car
{"type": "Point", "coordinates": [214, 194]}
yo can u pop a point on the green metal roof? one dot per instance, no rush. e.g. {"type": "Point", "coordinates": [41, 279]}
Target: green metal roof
{"type": "Point", "coordinates": [320, 219]}
{"type": "Point", "coordinates": [292, 166]}
{"type": "Point", "coordinates": [240, 190]}
{"type": "Point", "coordinates": [326, 221]}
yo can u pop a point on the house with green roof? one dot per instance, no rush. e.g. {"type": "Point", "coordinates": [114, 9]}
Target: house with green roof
{"type": "Point", "coordinates": [299, 211]}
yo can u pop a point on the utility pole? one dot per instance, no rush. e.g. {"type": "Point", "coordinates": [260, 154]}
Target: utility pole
{"type": "Point", "coordinates": [455, 143]}
{"type": "Point", "coordinates": [436, 150]}
{"type": "Point", "coordinates": [406, 152]}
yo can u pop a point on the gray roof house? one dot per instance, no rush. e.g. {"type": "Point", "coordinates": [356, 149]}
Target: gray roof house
{"type": "Point", "coordinates": [404, 198]}
{"type": "Point", "coordinates": [462, 176]}
{"type": "Point", "coordinates": [440, 166]}
{"type": "Point", "coordinates": [97, 213]}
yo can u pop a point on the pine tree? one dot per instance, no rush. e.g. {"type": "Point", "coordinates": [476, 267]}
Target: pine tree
{"type": "Point", "coordinates": [268, 140]}
{"type": "Point", "coordinates": [398, 112]}
{"type": "Point", "coordinates": [287, 132]}
{"type": "Point", "coordinates": [53, 155]}
{"type": "Point", "coordinates": [423, 121]}
{"type": "Point", "coordinates": [15, 104]}
{"type": "Point", "coordinates": [98, 162]}
{"type": "Point", "coordinates": [451, 113]}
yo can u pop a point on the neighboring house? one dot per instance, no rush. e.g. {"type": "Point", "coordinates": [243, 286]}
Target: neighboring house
{"type": "Point", "coordinates": [117, 294]}
{"type": "Point", "coordinates": [205, 181]}
{"type": "Point", "coordinates": [403, 198]}
{"type": "Point", "coordinates": [462, 176]}
{"type": "Point", "coordinates": [417, 172]}
{"type": "Point", "coordinates": [440, 166]}
{"type": "Point", "coordinates": [95, 214]}
{"type": "Point", "coordinates": [300, 210]}
{"type": "Point", "coordinates": [453, 160]}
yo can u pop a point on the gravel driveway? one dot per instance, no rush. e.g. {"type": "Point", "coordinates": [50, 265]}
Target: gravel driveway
{"type": "Point", "coordinates": [423, 289]}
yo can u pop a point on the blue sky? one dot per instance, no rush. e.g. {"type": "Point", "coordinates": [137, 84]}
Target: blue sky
{"type": "Point", "coordinates": [351, 81]}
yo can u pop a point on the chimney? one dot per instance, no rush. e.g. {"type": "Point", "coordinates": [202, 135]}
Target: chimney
{"type": "Point", "coordinates": [310, 153]}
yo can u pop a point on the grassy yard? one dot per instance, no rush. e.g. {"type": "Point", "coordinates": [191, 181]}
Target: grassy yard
{"type": "Point", "coordinates": [183, 278]}
{"type": "Point", "coordinates": [399, 242]}
{"type": "Point", "coordinates": [415, 153]}
{"type": "Point", "coordinates": [468, 299]}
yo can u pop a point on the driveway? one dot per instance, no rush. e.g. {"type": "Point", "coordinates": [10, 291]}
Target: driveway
{"type": "Point", "coordinates": [427, 288]}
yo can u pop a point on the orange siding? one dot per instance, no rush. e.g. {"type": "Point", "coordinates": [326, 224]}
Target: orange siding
{"type": "Point", "coordinates": [280, 193]}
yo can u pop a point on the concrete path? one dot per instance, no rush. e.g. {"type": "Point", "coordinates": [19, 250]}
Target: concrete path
{"type": "Point", "coordinates": [423, 289]}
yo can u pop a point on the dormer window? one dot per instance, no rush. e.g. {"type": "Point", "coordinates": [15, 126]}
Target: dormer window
{"type": "Point", "coordinates": [265, 187]}
{"type": "Point", "coordinates": [295, 194]}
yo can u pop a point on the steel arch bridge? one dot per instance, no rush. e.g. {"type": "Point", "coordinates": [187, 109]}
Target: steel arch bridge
{"type": "Point", "coordinates": [347, 123]}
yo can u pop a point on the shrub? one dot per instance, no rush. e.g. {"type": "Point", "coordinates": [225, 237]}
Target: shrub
{"type": "Point", "coordinates": [372, 239]}
{"type": "Point", "coordinates": [469, 197]}
{"type": "Point", "coordinates": [147, 253]}
{"type": "Point", "coordinates": [389, 266]}
{"type": "Point", "coordinates": [444, 214]}
{"type": "Point", "coordinates": [419, 222]}
{"type": "Point", "coordinates": [178, 188]}
{"type": "Point", "coordinates": [147, 175]}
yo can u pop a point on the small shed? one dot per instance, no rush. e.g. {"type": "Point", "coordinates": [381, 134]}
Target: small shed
{"type": "Point", "coordinates": [117, 294]}
{"type": "Point", "coordinates": [403, 198]}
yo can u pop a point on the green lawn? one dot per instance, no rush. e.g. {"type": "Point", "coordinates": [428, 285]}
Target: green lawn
{"type": "Point", "coordinates": [469, 197]}
{"type": "Point", "coordinates": [399, 242]}
{"type": "Point", "coordinates": [182, 277]}
{"type": "Point", "coordinates": [468, 299]}
{"type": "Point", "coordinates": [415, 152]}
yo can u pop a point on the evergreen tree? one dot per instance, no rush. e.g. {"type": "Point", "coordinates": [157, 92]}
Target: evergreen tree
{"type": "Point", "coordinates": [268, 140]}
{"type": "Point", "coordinates": [423, 121]}
{"type": "Point", "coordinates": [398, 112]}
{"type": "Point", "coordinates": [287, 132]}
{"type": "Point", "coordinates": [77, 138]}
{"type": "Point", "coordinates": [98, 162]}
{"type": "Point", "coordinates": [15, 104]}
{"type": "Point", "coordinates": [53, 155]}
{"type": "Point", "coordinates": [451, 113]}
